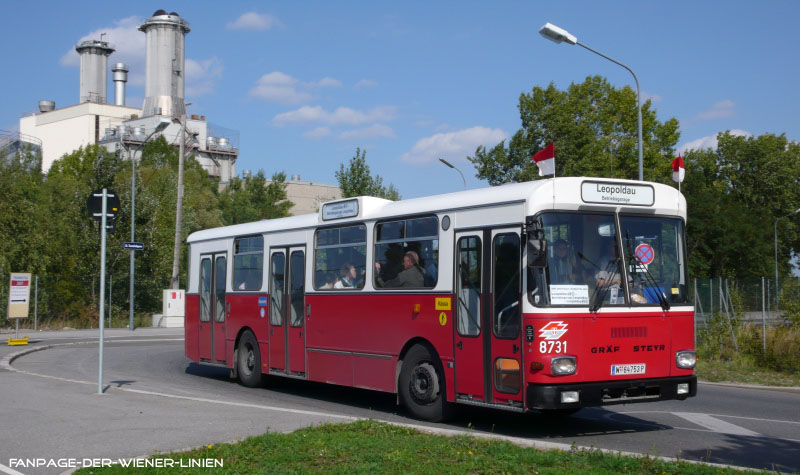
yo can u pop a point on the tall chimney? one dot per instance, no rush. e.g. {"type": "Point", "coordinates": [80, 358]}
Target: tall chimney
{"type": "Point", "coordinates": [120, 78]}
{"type": "Point", "coordinates": [164, 83]}
{"type": "Point", "coordinates": [94, 69]}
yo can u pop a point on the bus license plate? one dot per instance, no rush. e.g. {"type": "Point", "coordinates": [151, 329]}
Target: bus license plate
{"type": "Point", "coordinates": [622, 369]}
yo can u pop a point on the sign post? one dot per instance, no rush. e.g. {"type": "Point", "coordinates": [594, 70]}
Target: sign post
{"type": "Point", "coordinates": [19, 297]}
{"type": "Point", "coordinates": [102, 204]}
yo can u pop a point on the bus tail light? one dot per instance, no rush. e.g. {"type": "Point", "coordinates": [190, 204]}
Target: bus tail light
{"type": "Point", "coordinates": [686, 359]}
{"type": "Point", "coordinates": [563, 365]}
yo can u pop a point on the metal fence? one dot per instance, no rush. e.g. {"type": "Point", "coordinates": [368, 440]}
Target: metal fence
{"type": "Point", "coordinates": [752, 300]}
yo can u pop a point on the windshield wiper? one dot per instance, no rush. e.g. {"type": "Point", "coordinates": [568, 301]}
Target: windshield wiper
{"type": "Point", "coordinates": [599, 295]}
{"type": "Point", "coordinates": [651, 281]}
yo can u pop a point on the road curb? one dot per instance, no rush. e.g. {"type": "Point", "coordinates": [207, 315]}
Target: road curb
{"type": "Point", "coordinates": [761, 387]}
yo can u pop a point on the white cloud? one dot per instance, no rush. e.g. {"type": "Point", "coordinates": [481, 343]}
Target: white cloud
{"type": "Point", "coordinates": [653, 97]}
{"type": "Point", "coordinates": [371, 132]}
{"type": "Point", "coordinates": [329, 82]}
{"type": "Point", "coordinates": [280, 88]}
{"type": "Point", "coordinates": [201, 76]}
{"type": "Point", "coordinates": [317, 133]}
{"type": "Point", "coordinates": [719, 110]}
{"type": "Point", "coordinates": [710, 141]}
{"type": "Point", "coordinates": [453, 146]}
{"type": "Point", "coordinates": [254, 21]}
{"type": "Point", "coordinates": [340, 116]}
{"type": "Point", "coordinates": [364, 83]}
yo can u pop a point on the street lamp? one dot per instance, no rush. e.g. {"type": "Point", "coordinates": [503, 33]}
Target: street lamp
{"type": "Point", "coordinates": [560, 35]}
{"type": "Point", "coordinates": [776, 252]}
{"type": "Point", "coordinates": [456, 169]}
{"type": "Point", "coordinates": [162, 124]}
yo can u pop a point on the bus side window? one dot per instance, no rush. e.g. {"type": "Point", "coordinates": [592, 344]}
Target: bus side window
{"type": "Point", "coordinates": [248, 263]}
{"type": "Point", "coordinates": [407, 253]}
{"type": "Point", "coordinates": [340, 258]}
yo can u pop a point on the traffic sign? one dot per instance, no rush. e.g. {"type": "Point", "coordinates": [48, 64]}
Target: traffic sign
{"type": "Point", "coordinates": [95, 204]}
{"type": "Point", "coordinates": [133, 246]}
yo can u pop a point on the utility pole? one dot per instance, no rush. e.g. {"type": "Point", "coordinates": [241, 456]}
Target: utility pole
{"type": "Point", "coordinates": [176, 256]}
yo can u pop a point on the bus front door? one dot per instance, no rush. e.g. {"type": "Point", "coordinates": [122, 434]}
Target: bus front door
{"type": "Point", "coordinates": [287, 344]}
{"type": "Point", "coordinates": [212, 311]}
{"type": "Point", "coordinates": [505, 310]}
{"type": "Point", "coordinates": [488, 315]}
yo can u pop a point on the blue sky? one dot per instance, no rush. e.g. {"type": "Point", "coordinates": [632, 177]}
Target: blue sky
{"type": "Point", "coordinates": [305, 83]}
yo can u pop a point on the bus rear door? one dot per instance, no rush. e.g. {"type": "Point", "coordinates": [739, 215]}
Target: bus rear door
{"type": "Point", "coordinates": [212, 309]}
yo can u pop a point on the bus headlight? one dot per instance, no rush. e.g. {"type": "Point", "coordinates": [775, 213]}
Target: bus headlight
{"type": "Point", "coordinates": [686, 359]}
{"type": "Point", "coordinates": [563, 365]}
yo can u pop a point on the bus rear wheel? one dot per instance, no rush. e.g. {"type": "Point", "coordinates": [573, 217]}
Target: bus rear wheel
{"type": "Point", "coordinates": [421, 385]}
{"type": "Point", "coordinates": [248, 363]}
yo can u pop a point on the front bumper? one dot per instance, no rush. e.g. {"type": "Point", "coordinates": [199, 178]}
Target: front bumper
{"type": "Point", "coordinates": [604, 393]}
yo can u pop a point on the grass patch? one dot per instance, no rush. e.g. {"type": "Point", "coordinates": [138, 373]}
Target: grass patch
{"type": "Point", "coordinates": [374, 447]}
{"type": "Point", "coordinates": [757, 356]}
{"type": "Point", "coordinates": [743, 369]}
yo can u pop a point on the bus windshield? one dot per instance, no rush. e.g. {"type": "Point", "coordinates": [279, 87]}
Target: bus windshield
{"type": "Point", "coordinates": [586, 265]}
{"type": "Point", "coordinates": [654, 253]}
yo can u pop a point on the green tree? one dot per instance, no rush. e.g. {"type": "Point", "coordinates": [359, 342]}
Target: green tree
{"type": "Point", "coordinates": [22, 223]}
{"type": "Point", "coordinates": [356, 180]}
{"type": "Point", "coordinates": [253, 199]}
{"type": "Point", "coordinates": [594, 127]}
{"type": "Point", "coordinates": [734, 194]}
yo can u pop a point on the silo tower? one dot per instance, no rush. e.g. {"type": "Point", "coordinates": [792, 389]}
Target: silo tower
{"type": "Point", "coordinates": [94, 69]}
{"type": "Point", "coordinates": [164, 83]}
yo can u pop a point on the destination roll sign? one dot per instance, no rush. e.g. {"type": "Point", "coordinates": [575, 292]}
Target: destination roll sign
{"type": "Point", "coordinates": [617, 193]}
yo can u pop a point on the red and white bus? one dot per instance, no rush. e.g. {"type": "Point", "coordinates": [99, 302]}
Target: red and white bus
{"type": "Point", "coordinates": [549, 295]}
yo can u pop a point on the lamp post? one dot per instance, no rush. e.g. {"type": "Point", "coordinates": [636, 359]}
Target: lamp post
{"type": "Point", "coordinates": [776, 253]}
{"type": "Point", "coordinates": [560, 35]}
{"type": "Point", "coordinates": [456, 169]}
{"type": "Point", "coordinates": [159, 127]}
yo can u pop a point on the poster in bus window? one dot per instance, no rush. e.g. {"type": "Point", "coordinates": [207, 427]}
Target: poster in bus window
{"type": "Point", "coordinates": [569, 294]}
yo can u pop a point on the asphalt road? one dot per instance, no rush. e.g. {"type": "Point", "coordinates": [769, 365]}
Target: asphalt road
{"type": "Point", "coordinates": [160, 401]}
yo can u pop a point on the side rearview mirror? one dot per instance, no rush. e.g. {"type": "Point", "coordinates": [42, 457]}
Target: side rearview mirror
{"type": "Point", "coordinates": [537, 252]}
{"type": "Point", "coordinates": [536, 246]}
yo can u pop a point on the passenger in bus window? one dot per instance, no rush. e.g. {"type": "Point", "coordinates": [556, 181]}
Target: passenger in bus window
{"type": "Point", "coordinates": [348, 277]}
{"type": "Point", "coordinates": [562, 265]}
{"type": "Point", "coordinates": [328, 280]}
{"type": "Point", "coordinates": [412, 274]}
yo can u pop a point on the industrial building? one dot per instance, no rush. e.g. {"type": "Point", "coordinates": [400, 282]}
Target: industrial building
{"type": "Point", "coordinates": [122, 128]}
{"type": "Point", "coordinates": [307, 196]}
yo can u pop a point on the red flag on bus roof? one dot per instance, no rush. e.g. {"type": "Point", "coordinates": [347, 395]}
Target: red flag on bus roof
{"type": "Point", "coordinates": [545, 159]}
{"type": "Point", "coordinates": [678, 169]}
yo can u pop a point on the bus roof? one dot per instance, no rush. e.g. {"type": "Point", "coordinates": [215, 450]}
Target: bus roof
{"type": "Point", "coordinates": [559, 193]}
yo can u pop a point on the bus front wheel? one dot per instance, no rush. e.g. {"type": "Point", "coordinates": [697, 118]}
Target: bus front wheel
{"type": "Point", "coordinates": [249, 361]}
{"type": "Point", "coordinates": [421, 385]}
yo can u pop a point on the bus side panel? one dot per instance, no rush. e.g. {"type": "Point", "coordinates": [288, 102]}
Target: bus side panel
{"type": "Point", "coordinates": [190, 331]}
{"type": "Point", "coordinates": [378, 325]}
{"type": "Point", "coordinates": [374, 373]}
{"type": "Point", "coordinates": [682, 339]}
{"type": "Point", "coordinates": [246, 311]}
